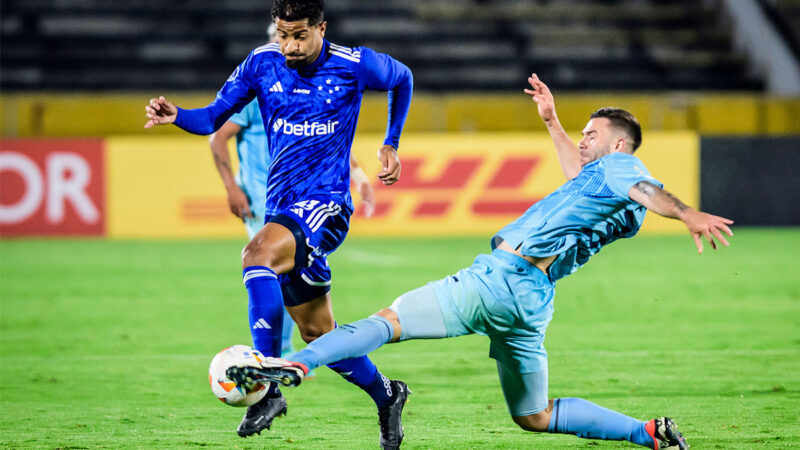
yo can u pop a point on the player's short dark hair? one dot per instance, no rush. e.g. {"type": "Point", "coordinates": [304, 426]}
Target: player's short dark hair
{"type": "Point", "coordinates": [293, 10]}
{"type": "Point", "coordinates": [624, 121]}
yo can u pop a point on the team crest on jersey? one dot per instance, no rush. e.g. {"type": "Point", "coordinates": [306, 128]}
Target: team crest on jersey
{"type": "Point", "coordinates": [234, 74]}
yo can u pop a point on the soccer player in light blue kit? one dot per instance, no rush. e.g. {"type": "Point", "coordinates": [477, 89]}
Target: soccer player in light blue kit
{"type": "Point", "coordinates": [508, 294]}
{"type": "Point", "coordinates": [309, 92]}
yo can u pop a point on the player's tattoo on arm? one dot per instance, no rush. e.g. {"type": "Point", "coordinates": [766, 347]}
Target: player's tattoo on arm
{"type": "Point", "coordinates": [660, 201]}
{"type": "Point", "coordinates": [651, 190]}
{"type": "Point", "coordinates": [220, 162]}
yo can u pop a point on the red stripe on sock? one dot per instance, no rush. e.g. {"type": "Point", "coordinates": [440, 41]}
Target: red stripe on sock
{"type": "Point", "coordinates": [650, 428]}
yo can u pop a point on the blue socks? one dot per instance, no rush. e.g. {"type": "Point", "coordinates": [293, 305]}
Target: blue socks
{"type": "Point", "coordinates": [266, 314]}
{"type": "Point", "coordinates": [363, 373]}
{"type": "Point", "coordinates": [265, 309]}
{"type": "Point", "coordinates": [587, 420]}
{"type": "Point", "coordinates": [344, 350]}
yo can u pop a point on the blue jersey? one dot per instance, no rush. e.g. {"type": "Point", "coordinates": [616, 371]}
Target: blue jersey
{"type": "Point", "coordinates": [252, 148]}
{"type": "Point", "coordinates": [584, 214]}
{"type": "Point", "coordinates": [310, 115]}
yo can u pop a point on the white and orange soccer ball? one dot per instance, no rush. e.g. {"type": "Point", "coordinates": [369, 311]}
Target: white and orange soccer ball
{"type": "Point", "coordinates": [224, 388]}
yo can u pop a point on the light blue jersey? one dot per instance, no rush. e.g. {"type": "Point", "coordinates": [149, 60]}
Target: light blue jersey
{"type": "Point", "coordinates": [584, 214]}
{"type": "Point", "coordinates": [253, 151]}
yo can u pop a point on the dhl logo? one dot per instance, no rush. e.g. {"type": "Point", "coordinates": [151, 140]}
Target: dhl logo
{"type": "Point", "coordinates": [499, 192]}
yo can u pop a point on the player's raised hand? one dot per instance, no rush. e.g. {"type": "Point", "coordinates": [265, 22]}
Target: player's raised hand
{"type": "Point", "coordinates": [702, 225]}
{"type": "Point", "coordinates": [543, 98]}
{"type": "Point", "coordinates": [239, 203]}
{"type": "Point", "coordinates": [390, 165]}
{"type": "Point", "coordinates": [160, 112]}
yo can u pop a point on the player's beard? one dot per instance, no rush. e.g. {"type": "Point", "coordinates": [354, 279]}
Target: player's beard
{"type": "Point", "coordinates": [296, 63]}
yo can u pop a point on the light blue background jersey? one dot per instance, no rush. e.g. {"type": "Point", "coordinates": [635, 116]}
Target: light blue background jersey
{"type": "Point", "coordinates": [584, 214]}
{"type": "Point", "coordinates": [310, 115]}
{"type": "Point", "coordinates": [251, 146]}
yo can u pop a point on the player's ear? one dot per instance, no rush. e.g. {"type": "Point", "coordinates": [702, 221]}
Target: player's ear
{"type": "Point", "coordinates": [621, 145]}
{"type": "Point", "coordinates": [322, 28]}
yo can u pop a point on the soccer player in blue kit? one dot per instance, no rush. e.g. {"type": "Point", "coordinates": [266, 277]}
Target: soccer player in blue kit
{"type": "Point", "coordinates": [309, 91]}
{"type": "Point", "coordinates": [248, 188]}
{"type": "Point", "coordinates": [508, 294]}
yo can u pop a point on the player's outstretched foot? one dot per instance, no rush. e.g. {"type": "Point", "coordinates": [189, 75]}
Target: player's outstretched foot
{"type": "Point", "coordinates": [287, 373]}
{"type": "Point", "coordinates": [261, 414]}
{"type": "Point", "coordinates": [390, 416]}
{"type": "Point", "coordinates": [666, 434]}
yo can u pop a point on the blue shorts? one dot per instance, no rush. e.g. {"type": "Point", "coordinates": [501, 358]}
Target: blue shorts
{"type": "Point", "coordinates": [319, 225]}
{"type": "Point", "coordinates": [502, 296]}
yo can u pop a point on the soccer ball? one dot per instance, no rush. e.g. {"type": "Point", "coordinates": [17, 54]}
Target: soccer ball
{"type": "Point", "coordinates": [225, 389]}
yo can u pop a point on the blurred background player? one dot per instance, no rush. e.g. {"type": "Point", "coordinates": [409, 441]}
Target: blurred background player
{"type": "Point", "coordinates": [248, 189]}
{"type": "Point", "coordinates": [508, 294]}
{"type": "Point", "coordinates": [309, 92]}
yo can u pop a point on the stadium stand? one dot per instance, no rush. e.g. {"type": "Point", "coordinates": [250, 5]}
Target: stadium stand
{"type": "Point", "coordinates": [785, 15]}
{"type": "Point", "coordinates": [452, 45]}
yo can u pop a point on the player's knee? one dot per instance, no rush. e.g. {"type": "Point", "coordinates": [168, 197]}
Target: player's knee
{"type": "Point", "coordinates": [388, 314]}
{"type": "Point", "coordinates": [391, 316]}
{"type": "Point", "coordinates": [258, 253]}
{"type": "Point", "coordinates": [537, 422]}
{"type": "Point", "coordinates": [254, 255]}
{"type": "Point", "coordinates": [309, 333]}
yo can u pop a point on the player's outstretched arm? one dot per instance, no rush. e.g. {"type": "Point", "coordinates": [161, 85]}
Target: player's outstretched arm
{"type": "Point", "coordinates": [363, 186]}
{"type": "Point", "coordinates": [160, 111]}
{"type": "Point", "coordinates": [237, 200]}
{"type": "Point", "coordinates": [568, 154]}
{"type": "Point", "coordinates": [700, 224]}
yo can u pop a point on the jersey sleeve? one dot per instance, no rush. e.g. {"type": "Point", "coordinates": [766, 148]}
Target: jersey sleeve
{"type": "Point", "coordinates": [380, 72]}
{"type": "Point", "coordinates": [623, 171]}
{"type": "Point", "coordinates": [231, 98]}
{"type": "Point", "coordinates": [245, 118]}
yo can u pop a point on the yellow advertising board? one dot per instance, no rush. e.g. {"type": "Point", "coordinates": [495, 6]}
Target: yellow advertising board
{"type": "Point", "coordinates": [452, 184]}
{"type": "Point", "coordinates": [165, 187]}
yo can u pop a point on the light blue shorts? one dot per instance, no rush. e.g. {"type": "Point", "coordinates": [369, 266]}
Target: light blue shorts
{"type": "Point", "coordinates": [253, 224]}
{"type": "Point", "coordinates": [502, 296]}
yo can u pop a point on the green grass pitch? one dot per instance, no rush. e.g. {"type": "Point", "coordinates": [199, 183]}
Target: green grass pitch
{"type": "Point", "coordinates": [107, 344]}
